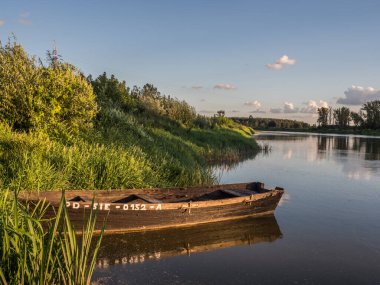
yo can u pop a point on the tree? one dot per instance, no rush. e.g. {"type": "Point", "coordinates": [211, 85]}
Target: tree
{"type": "Point", "coordinates": [110, 92]}
{"type": "Point", "coordinates": [372, 114]}
{"type": "Point", "coordinates": [18, 72]}
{"type": "Point", "coordinates": [357, 119]}
{"type": "Point", "coordinates": [56, 99]}
{"type": "Point", "coordinates": [221, 113]}
{"type": "Point", "coordinates": [323, 116]}
{"type": "Point", "coordinates": [342, 117]}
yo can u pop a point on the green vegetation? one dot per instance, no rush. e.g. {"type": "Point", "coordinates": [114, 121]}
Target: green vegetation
{"type": "Point", "coordinates": [60, 130]}
{"type": "Point", "coordinates": [366, 121]}
{"type": "Point", "coordinates": [38, 251]}
{"type": "Point", "coordinates": [272, 123]}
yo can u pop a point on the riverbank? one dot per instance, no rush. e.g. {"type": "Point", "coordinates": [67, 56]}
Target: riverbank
{"type": "Point", "coordinates": [121, 151]}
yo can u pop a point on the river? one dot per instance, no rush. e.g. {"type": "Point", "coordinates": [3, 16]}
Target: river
{"type": "Point", "coordinates": [326, 229]}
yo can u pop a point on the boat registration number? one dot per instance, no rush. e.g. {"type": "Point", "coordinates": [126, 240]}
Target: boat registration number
{"type": "Point", "coordinates": [110, 206]}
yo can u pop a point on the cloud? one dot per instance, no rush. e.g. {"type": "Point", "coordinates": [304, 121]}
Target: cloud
{"type": "Point", "coordinates": [24, 19]}
{"type": "Point", "coordinates": [275, 110]}
{"type": "Point", "coordinates": [289, 108]}
{"type": "Point", "coordinates": [196, 87]}
{"type": "Point", "coordinates": [312, 106]}
{"type": "Point", "coordinates": [225, 86]}
{"type": "Point", "coordinates": [256, 104]}
{"type": "Point", "coordinates": [2, 23]}
{"type": "Point", "coordinates": [203, 100]}
{"type": "Point", "coordinates": [358, 95]}
{"type": "Point", "coordinates": [235, 111]}
{"type": "Point", "coordinates": [281, 62]}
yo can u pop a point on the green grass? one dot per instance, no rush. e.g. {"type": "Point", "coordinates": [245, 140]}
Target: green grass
{"type": "Point", "coordinates": [122, 151]}
{"type": "Point", "coordinates": [38, 251]}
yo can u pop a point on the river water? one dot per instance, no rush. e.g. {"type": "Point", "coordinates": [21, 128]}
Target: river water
{"type": "Point", "coordinates": [326, 229]}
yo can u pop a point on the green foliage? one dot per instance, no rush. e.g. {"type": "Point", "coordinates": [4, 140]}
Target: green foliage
{"type": "Point", "coordinates": [111, 93]}
{"type": "Point", "coordinates": [18, 72]}
{"type": "Point", "coordinates": [56, 100]}
{"type": "Point", "coordinates": [372, 114]}
{"type": "Point", "coordinates": [342, 117]}
{"type": "Point", "coordinates": [271, 123]}
{"type": "Point", "coordinates": [323, 114]}
{"type": "Point", "coordinates": [36, 251]}
{"type": "Point", "coordinates": [356, 118]}
{"type": "Point", "coordinates": [35, 162]}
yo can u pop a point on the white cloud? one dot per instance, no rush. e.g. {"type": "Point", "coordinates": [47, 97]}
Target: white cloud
{"type": "Point", "coordinates": [358, 95]}
{"type": "Point", "coordinates": [289, 108]}
{"type": "Point", "coordinates": [196, 87]}
{"type": "Point", "coordinates": [24, 19]}
{"type": "Point", "coordinates": [2, 22]}
{"type": "Point", "coordinates": [256, 104]}
{"type": "Point", "coordinates": [225, 86]}
{"type": "Point", "coordinates": [275, 110]}
{"type": "Point", "coordinates": [281, 62]}
{"type": "Point", "coordinates": [312, 106]}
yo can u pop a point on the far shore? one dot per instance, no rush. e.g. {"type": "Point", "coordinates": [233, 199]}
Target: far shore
{"type": "Point", "coordinates": [360, 132]}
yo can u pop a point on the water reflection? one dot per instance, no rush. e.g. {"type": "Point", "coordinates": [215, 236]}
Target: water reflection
{"type": "Point", "coordinates": [358, 157]}
{"type": "Point", "coordinates": [135, 248]}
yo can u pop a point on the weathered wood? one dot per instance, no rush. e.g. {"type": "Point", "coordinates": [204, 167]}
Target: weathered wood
{"type": "Point", "coordinates": [149, 209]}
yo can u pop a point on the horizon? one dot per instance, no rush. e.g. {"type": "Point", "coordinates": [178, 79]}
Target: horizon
{"type": "Point", "coordinates": [273, 59]}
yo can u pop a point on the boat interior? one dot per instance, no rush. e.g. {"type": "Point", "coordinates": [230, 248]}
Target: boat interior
{"type": "Point", "coordinates": [155, 195]}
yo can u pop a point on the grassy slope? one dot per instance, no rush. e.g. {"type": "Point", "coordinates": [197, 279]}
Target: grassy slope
{"type": "Point", "coordinates": [122, 151]}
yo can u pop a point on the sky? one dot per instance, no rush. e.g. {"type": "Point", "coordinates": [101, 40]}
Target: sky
{"type": "Point", "coordinates": [281, 59]}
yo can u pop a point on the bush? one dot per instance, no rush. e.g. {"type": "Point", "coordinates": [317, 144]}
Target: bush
{"type": "Point", "coordinates": [56, 99]}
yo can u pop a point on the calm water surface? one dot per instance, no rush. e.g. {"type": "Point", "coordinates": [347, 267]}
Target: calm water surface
{"type": "Point", "coordinates": [326, 229]}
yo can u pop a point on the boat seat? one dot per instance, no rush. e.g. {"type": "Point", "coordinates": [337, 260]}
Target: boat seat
{"type": "Point", "coordinates": [144, 198]}
{"type": "Point", "coordinates": [77, 199]}
{"type": "Point", "coordinates": [240, 193]}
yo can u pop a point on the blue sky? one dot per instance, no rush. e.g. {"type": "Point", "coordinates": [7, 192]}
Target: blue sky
{"type": "Point", "coordinates": [216, 54]}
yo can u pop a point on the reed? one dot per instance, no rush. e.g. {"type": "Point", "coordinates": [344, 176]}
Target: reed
{"type": "Point", "coordinates": [38, 251]}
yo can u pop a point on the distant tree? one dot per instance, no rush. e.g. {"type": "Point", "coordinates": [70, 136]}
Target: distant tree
{"type": "Point", "coordinates": [372, 114]}
{"type": "Point", "coordinates": [272, 124]}
{"type": "Point", "coordinates": [323, 116]}
{"type": "Point", "coordinates": [221, 113]}
{"type": "Point", "coordinates": [357, 118]}
{"type": "Point", "coordinates": [331, 117]}
{"type": "Point", "coordinates": [342, 116]}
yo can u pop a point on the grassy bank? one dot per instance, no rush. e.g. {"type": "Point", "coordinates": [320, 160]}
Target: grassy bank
{"type": "Point", "coordinates": [120, 152]}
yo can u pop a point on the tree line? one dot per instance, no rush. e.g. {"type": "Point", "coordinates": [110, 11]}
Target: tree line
{"type": "Point", "coordinates": [368, 116]}
{"type": "Point", "coordinates": [271, 123]}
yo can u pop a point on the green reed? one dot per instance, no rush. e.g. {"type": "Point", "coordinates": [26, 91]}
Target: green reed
{"type": "Point", "coordinates": [34, 250]}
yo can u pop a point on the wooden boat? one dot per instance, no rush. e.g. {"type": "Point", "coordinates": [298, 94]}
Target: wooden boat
{"type": "Point", "coordinates": [157, 208]}
{"type": "Point", "coordinates": [138, 247]}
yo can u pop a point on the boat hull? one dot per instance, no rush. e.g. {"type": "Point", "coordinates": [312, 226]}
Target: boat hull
{"type": "Point", "coordinates": [142, 216]}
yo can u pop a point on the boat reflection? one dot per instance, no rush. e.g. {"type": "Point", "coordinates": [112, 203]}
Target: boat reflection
{"type": "Point", "coordinates": [134, 248]}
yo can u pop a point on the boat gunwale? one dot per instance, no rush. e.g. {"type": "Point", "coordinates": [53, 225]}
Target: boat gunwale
{"type": "Point", "coordinates": [255, 196]}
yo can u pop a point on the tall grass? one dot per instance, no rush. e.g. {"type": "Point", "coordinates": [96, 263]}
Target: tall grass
{"type": "Point", "coordinates": [37, 251]}
{"type": "Point", "coordinates": [122, 151]}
